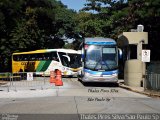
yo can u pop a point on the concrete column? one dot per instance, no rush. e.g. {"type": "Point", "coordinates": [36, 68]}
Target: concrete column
{"type": "Point", "coordinates": [139, 51]}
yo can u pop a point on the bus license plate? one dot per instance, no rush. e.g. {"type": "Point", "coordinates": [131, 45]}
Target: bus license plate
{"type": "Point", "coordinates": [101, 79]}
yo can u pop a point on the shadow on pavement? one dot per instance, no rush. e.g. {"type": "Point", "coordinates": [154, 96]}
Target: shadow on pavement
{"type": "Point", "coordinates": [99, 84]}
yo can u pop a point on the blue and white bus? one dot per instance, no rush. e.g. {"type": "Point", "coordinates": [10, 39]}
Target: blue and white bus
{"type": "Point", "coordinates": [99, 60]}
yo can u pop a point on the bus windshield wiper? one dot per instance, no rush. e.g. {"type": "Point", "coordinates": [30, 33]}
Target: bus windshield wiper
{"type": "Point", "coordinates": [107, 65]}
{"type": "Point", "coordinates": [97, 64]}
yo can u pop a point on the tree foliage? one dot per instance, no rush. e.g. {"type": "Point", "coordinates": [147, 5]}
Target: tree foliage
{"type": "Point", "coordinates": [40, 24]}
{"type": "Point", "coordinates": [109, 18]}
{"type": "Point", "coordinates": [32, 24]}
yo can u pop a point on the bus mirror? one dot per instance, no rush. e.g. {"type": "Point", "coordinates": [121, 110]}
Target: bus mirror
{"type": "Point", "coordinates": [120, 53]}
{"type": "Point", "coordinates": [82, 58]}
{"type": "Point", "coordinates": [67, 57]}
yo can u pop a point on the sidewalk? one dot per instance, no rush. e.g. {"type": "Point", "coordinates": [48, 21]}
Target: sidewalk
{"type": "Point", "coordinates": [140, 90]}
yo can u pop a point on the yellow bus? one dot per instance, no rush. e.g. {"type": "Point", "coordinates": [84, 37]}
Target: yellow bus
{"type": "Point", "coordinates": [46, 60]}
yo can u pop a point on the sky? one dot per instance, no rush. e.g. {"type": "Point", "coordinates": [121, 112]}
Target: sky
{"type": "Point", "coordinates": [74, 4]}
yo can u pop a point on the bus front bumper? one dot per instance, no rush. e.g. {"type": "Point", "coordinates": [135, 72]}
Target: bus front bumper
{"type": "Point", "coordinates": [98, 78]}
{"type": "Point", "coordinates": [70, 73]}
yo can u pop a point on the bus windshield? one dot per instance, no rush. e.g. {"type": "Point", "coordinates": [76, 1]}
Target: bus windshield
{"type": "Point", "coordinates": [100, 57]}
{"type": "Point", "coordinates": [75, 60]}
{"type": "Point", "coordinates": [63, 59]}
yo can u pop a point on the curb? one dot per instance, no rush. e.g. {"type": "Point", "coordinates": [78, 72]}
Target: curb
{"type": "Point", "coordinates": [140, 92]}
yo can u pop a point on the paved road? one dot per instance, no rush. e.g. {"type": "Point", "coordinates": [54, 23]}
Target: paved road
{"type": "Point", "coordinates": [76, 99]}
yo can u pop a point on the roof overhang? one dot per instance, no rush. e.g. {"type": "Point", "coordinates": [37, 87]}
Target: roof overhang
{"type": "Point", "coordinates": [127, 38]}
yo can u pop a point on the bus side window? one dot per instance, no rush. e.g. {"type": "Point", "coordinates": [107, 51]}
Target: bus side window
{"type": "Point", "coordinates": [54, 56]}
{"type": "Point", "coordinates": [33, 57]}
{"type": "Point", "coordinates": [48, 56]}
{"type": "Point", "coordinates": [25, 57]}
{"type": "Point", "coordinates": [20, 58]}
{"type": "Point", "coordinates": [42, 56]}
{"type": "Point", "coordinates": [39, 56]}
{"type": "Point", "coordinates": [15, 57]}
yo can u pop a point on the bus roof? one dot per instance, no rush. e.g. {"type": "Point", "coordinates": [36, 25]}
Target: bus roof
{"type": "Point", "coordinates": [100, 41]}
{"type": "Point", "coordinates": [47, 50]}
{"type": "Point", "coordinates": [62, 50]}
{"type": "Point", "coordinates": [79, 51]}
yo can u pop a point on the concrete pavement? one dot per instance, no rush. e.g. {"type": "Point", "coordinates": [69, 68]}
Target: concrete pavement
{"type": "Point", "coordinates": [73, 100]}
{"type": "Point", "coordinates": [71, 87]}
{"type": "Point", "coordinates": [22, 86]}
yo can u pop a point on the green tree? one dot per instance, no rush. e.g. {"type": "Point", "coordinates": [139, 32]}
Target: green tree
{"type": "Point", "coordinates": [92, 5]}
{"type": "Point", "coordinates": [147, 12]}
{"type": "Point", "coordinates": [32, 24]}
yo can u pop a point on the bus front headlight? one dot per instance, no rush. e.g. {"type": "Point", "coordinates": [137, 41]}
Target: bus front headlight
{"type": "Point", "coordinates": [114, 74]}
{"type": "Point", "coordinates": [87, 74]}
